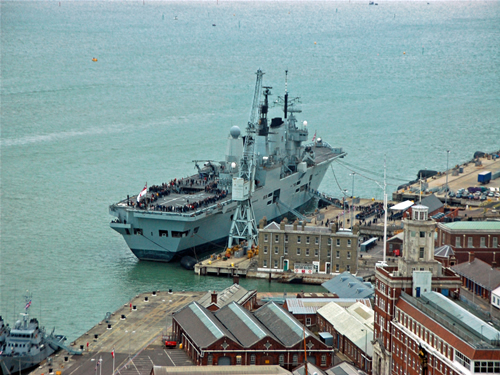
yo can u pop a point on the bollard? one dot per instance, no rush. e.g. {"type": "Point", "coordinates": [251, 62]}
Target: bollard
{"type": "Point", "coordinates": [96, 336]}
{"type": "Point", "coordinates": [154, 293]}
{"type": "Point", "coordinates": [66, 359]}
{"type": "Point", "coordinates": [109, 326]}
{"type": "Point", "coordinates": [134, 307]}
{"type": "Point", "coordinates": [145, 299]}
{"type": "Point", "coordinates": [123, 317]}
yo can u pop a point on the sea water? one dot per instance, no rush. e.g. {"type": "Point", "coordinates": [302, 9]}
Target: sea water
{"type": "Point", "coordinates": [401, 81]}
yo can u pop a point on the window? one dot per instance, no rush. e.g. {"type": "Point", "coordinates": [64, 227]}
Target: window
{"type": "Point", "coordinates": [264, 263]}
{"type": "Point", "coordinates": [252, 359]}
{"type": "Point", "coordinates": [348, 268]}
{"type": "Point", "coordinates": [487, 366]}
{"type": "Point", "coordinates": [265, 249]}
{"type": "Point", "coordinates": [457, 241]}
{"type": "Point", "coordinates": [295, 359]}
{"type": "Point", "coordinates": [421, 253]}
{"type": "Point", "coordinates": [307, 240]}
{"type": "Point", "coordinates": [238, 359]}
{"type": "Point", "coordinates": [348, 243]}
{"type": "Point", "coordinates": [338, 254]}
{"type": "Point", "coordinates": [316, 240]}
{"type": "Point", "coordinates": [298, 239]}
{"type": "Point", "coordinates": [329, 254]}
{"type": "Point", "coordinates": [338, 241]}
{"type": "Point", "coordinates": [308, 322]}
{"type": "Point", "coordinates": [469, 242]}
{"type": "Point", "coordinates": [422, 234]}
{"type": "Point", "coordinates": [495, 241]}
{"type": "Point", "coordinates": [286, 238]}
{"type": "Point", "coordinates": [329, 241]}
{"type": "Point", "coordinates": [138, 231]}
{"type": "Point", "coordinates": [463, 360]}
{"type": "Point", "coordinates": [282, 359]}
{"type": "Point", "coordinates": [276, 238]}
{"type": "Point", "coordinates": [307, 252]}
{"type": "Point", "coordinates": [285, 251]}
{"type": "Point", "coordinates": [348, 255]}
{"type": "Point", "coordinates": [265, 237]}
{"type": "Point", "coordinates": [298, 251]}
{"type": "Point", "coordinates": [163, 233]}
{"type": "Point", "coordinates": [210, 359]}
{"type": "Point", "coordinates": [316, 252]}
{"type": "Point", "coordinates": [336, 268]}
{"type": "Point", "coordinates": [483, 242]}
{"type": "Point", "coordinates": [276, 250]}
{"type": "Point", "coordinates": [275, 264]}
{"type": "Point", "coordinates": [323, 360]}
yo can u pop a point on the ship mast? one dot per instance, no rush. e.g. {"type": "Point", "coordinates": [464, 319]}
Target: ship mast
{"type": "Point", "coordinates": [243, 227]}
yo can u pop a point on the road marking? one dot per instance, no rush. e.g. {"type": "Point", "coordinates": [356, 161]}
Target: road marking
{"type": "Point", "coordinates": [170, 357]}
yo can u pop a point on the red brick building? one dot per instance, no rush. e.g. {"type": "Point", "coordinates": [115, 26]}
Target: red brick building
{"type": "Point", "coordinates": [234, 336]}
{"type": "Point", "coordinates": [417, 273]}
{"type": "Point", "coordinates": [482, 238]}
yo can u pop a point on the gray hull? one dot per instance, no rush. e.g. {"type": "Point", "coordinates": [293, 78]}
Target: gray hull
{"type": "Point", "coordinates": [209, 229]}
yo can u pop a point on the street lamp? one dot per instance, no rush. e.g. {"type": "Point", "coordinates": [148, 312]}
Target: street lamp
{"type": "Point", "coordinates": [447, 172]}
{"type": "Point", "coordinates": [343, 206]}
{"type": "Point", "coordinates": [352, 201]}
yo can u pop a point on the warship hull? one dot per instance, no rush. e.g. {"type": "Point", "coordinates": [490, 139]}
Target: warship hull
{"type": "Point", "coordinates": [16, 363]}
{"type": "Point", "coordinates": [209, 230]}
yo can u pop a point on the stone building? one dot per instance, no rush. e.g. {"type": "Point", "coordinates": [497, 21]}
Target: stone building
{"type": "Point", "coordinates": [417, 273]}
{"type": "Point", "coordinates": [307, 249]}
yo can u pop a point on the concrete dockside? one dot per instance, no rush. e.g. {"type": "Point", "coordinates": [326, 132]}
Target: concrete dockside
{"type": "Point", "coordinates": [135, 335]}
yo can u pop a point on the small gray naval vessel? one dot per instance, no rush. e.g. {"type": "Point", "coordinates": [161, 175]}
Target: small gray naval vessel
{"type": "Point", "coordinates": [25, 345]}
{"type": "Point", "coordinates": [194, 214]}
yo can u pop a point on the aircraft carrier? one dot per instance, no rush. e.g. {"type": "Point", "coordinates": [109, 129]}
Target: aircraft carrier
{"type": "Point", "coordinates": [194, 214]}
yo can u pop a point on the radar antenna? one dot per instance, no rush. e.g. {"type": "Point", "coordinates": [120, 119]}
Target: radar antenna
{"type": "Point", "coordinates": [243, 227]}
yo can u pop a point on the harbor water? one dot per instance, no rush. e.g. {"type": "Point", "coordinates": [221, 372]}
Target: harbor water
{"type": "Point", "coordinates": [100, 97]}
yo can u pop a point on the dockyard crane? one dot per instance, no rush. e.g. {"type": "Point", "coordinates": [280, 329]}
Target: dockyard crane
{"type": "Point", "coordinates": [243, 226]}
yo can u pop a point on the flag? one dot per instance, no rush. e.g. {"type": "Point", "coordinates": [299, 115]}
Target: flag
{"type": "Point", "coordinates": [142, 193]}
{"type": "Point", "coordinates": [28, 304]}
{"type": "Point", "coordinates": [314, 137]}
{"type": "Point", "coordinates": [113, 353]}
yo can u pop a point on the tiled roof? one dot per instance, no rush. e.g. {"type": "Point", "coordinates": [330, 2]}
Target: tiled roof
{"type": "Point", "coordinates": [233, 293]}
{"type": "Point", "coordinates": [480, 272]}
{"type": "Point", "coordinates": [281, 324]}
{"type": "Point", "coordinates": [473, 225]}
{"type": "Point", "coordinates": [444, 251]}
{"type": "Point", "coordinates": [200, 324]}
{"type": "Point", "coordinates": [432, 202]}
{"type": "Point", "coordinates": [346, 285]}
{"type": "Point", "coordinates": [242, 324]}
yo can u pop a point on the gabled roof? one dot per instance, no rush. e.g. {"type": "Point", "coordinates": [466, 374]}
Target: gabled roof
{"type": "Point", "coordinates": [399, 236]}
{"type": "Point", "coordinates": [480, 272]}
{"type": "Point", "coordinates": [233, 293]}
{"type": "Point", "coordinates": [344, 368]}
{"type": "Point", "coordinates": [200, 324]}
{"type": "Point", "coordinates": [242, 324]}
{"type": "Point", "coordinates": [311, 369]}
{"type": "Point", "coordinates": [346, 285]}
{"type": "Point", "coordinates": [444, 251]}
{"type": "Point", "coordinates": [432, 202]}
{"type": "Point", "coordinates": [273, 225]}
{"type": "Point", "coordinates": [348, 324]}
{"type": "Point", "coordinates": [281, 324]}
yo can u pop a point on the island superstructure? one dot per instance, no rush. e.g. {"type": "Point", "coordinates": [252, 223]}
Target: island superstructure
{"type": "Point", "coordinates": [194, 214]}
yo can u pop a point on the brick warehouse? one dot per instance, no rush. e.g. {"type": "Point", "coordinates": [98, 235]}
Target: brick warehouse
{"type": "Point", "coordinates": [235, 336]}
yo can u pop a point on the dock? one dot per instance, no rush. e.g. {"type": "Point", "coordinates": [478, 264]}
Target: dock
{"type": "Point", "coordinates": [460, 176]}
{"type": "Point", "coordinates": [234, 266]}
{"type": "Point", "coordinates": [133, 333]}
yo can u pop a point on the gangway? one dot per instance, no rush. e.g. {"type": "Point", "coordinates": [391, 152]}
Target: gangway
{"type": "Point", "coordinates": [53, 341]}
{"type": "Point", "coordinates": [293, 211]}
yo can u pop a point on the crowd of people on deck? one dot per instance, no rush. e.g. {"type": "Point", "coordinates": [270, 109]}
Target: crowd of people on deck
{"type": "Point", "coordinates": [155, 192]}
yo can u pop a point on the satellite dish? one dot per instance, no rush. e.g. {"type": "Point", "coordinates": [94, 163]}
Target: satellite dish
{"type": "Point", "coordinates": [304, 123]}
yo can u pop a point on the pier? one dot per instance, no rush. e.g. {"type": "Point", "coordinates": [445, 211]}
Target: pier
{"type": "Point", "coordinates": [133, 333]}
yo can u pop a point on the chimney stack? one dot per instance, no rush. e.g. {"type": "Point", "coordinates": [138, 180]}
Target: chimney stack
{"type": "Point", "coordinates": [471, 256]}
{"type": "Point", "coordinates": [214, 297]}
